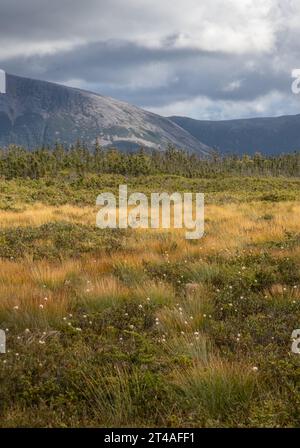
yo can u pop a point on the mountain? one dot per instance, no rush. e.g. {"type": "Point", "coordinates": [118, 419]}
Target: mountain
{"type": "Point", "coordinates": [269, 136]}
{"type": "Point", "coordinates": [35, 113]}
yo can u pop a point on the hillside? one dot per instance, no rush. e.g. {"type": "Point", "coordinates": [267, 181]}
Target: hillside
{"type": "Point", "coordinates": [35, 113]}
{"type": "Point", "coordinates": [269, 136]}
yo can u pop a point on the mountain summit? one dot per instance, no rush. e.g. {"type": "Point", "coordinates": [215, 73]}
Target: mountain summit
{"type": "Point", "coordinates": [35, 113]}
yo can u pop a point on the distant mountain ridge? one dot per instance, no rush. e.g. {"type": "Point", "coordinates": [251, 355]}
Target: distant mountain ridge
{"type": "Point", "coordinates": [269, 136]}
{"type": "Point", "coordinates": [35, 113]}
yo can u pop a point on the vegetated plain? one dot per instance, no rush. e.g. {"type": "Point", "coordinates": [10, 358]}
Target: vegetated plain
{"type": "Point", "coordinates": [143, 327]}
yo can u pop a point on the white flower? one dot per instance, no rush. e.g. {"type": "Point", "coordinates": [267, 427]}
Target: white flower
{"type": "Point", "coordinates": [255, 369]}
{"type": "Point", "coordinates": [41, 306]}
{"type": "Point", "coordinates": [16, 307]}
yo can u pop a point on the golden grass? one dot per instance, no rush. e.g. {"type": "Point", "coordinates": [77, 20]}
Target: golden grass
{"type": "Point", "coordinates": [228, 228]}
{"type": "Point", "coordinates": [38, 295]}
{"type": "Point", "coordinates": [102, 293]}
{"type": "Point", "coordinates": [38, 214]}
{"type": "Point", "coordinates": [189, 315]}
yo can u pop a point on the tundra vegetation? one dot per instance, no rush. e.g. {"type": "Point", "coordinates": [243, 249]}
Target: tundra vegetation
{"type": "Point", "coordinates": [143, 327]}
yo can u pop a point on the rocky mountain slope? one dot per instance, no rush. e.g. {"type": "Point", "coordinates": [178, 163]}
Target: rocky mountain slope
{"type": "Point", "coordinates": [35, 113]}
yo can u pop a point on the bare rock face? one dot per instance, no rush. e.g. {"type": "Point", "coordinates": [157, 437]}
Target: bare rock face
{"type": "Point", "coordinates": [35, 113]}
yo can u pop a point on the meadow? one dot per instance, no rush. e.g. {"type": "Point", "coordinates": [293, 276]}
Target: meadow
{"type": "Point", "coordinates": [144, 328]}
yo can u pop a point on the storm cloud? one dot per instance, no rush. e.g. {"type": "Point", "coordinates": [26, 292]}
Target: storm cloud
{"type": "Point", "coordinates": [214, 59]}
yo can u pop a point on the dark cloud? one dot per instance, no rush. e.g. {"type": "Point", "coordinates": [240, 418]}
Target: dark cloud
{"type": "Point", "coordinates": [87, 54]}
{"type": "Point", "coordinates": [112, 66]}
{"type": "Point", "coordinates": [44, 19]}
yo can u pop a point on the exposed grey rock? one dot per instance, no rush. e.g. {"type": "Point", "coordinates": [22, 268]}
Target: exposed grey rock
{"type": "Point", "coordinates": [35, 113]}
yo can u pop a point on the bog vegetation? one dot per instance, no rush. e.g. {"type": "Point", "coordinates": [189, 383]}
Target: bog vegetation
{"type": "Point", "coordinates": [143, 327]}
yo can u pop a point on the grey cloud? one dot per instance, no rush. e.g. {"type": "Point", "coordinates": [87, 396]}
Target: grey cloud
{"type": "Point", "coordinates": [112, 66]}
{"type": "Point", "coordinates": [33, 19]}
{"type": "Point", "coordinates": [128, 69]}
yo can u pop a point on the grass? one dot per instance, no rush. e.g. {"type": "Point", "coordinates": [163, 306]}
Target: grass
{"type": "Point", "coordinates": [145, 328]}
{"type": "Point", "coordinates": [219, 391]}
{"type": "Point", "coordinates": [78, 191]}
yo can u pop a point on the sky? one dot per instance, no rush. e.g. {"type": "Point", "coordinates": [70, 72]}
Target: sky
{"type": "Point", "coordinates": [206, 59]}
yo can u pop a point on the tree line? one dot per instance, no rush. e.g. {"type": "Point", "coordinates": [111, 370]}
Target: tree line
{"type": "Point", "coordinates": [17, 162]}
